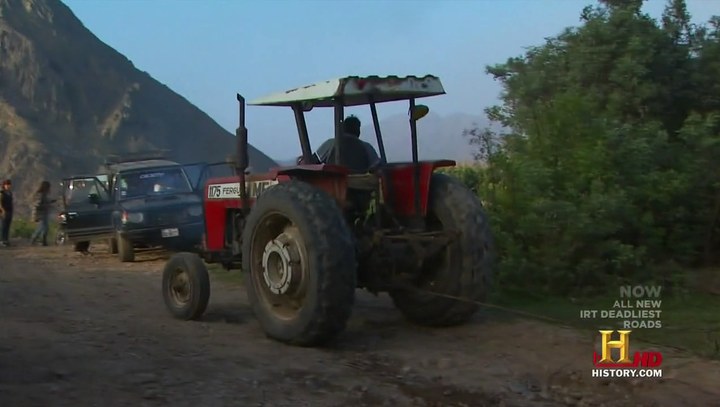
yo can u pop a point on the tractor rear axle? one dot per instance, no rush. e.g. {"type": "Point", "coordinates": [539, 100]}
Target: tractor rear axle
{"type": "Point", "coordinates": [390, 258]}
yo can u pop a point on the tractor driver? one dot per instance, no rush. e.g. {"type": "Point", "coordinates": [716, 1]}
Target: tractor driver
{"type": "Point", "coordinates": [361, 154]}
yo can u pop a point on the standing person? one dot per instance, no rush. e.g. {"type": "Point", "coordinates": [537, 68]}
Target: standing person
{"type": "Point", "coordinates": [6, 212]}
{"type": "Point", "coordinates": [41, 213]}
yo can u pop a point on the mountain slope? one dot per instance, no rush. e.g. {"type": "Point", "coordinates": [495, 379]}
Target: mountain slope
{"type": "Point", "coordinates": [67, 101]}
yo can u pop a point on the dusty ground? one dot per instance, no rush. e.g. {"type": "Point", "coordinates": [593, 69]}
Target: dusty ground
{"type": "Point", "coordinates": [87, 330]}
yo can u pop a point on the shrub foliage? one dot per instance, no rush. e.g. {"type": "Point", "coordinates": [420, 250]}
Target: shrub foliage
{"type": "Point", "coordinates": [607, 167]}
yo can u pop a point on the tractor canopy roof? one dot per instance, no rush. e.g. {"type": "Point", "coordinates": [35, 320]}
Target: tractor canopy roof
{"type": "Point", "coordinates": [356, 90]}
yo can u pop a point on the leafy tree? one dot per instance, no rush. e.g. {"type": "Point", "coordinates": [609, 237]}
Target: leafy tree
{"type": "Point", "coordinates": [606, 170]}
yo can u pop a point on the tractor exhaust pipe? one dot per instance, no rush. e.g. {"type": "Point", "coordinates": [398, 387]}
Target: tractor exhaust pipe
{"type": "Point", "coordinates": [242, 151]}
{"type": "Point", "coordinates": [415, 159]}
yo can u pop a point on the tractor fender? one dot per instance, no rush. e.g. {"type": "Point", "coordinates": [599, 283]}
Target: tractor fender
{"type": "Point", "coordinates": [330, 178]}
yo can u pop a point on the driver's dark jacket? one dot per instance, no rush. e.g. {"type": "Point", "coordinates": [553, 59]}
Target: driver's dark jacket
{"type": "Point", "coordinates": [323, 152]}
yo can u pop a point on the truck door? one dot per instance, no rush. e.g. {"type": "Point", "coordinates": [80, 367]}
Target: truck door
{"type": "Point", "coordinates": [194, 173]}
{"type": "Point", "coordinates": [88, 208]}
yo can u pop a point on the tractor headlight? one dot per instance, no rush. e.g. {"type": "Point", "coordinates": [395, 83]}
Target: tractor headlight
{"type": "Point", "coordinates": [196, 210]}
{"type": "Point", "coordinates": [133, 217]}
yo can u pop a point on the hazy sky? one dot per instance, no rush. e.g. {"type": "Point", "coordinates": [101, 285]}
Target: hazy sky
{"type": "Point", "coordinates": [208, 50]}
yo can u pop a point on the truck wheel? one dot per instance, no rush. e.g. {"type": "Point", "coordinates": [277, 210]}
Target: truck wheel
{"type": "Point", "coordinates": [186, 286]}
{"type": "Point", "coordinates": [81, 246]}
{"type": "Point", "coordinates": [112, 246]}
{"type": "Point", "coordinates": [126, 251]}
{"type": "Point", "coordinates": [301, 259]}
{"type": "Point", "coordinates": [462, 270]}
{"type": "Point", "coordinates": [60, 238]}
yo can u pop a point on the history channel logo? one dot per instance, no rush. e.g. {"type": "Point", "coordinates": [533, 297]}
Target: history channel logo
{"type": "Point", "coordinates": [642, 364]}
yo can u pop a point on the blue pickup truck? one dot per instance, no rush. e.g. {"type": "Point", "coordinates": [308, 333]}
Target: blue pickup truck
{"type": "Point", "coordinates": [137, 203]}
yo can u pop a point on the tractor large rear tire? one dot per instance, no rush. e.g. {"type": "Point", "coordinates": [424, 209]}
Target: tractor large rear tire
{"type": "Point", "coordinates": [462, 270]}
{"type": "Point", "coordinates": [300, 256]}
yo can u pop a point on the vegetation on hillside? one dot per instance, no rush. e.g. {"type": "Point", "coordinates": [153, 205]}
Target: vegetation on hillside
{"type": "Point", "coordinates": [607, 171]}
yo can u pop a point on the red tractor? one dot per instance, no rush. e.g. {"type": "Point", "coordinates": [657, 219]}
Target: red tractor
{"type": "Point", "coordinates": [310, 234]}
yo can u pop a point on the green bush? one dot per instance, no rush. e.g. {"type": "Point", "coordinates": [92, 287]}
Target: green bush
{"type": "Point", "coordinates": [24, 228]}
{"type": "Point", "coordinates": [21, 228]}
{"type": "Point", "coordinates": [606, 171]}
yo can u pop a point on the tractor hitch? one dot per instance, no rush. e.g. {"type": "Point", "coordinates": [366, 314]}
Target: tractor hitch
{"type": "Point", "coordinates": [389, 258]}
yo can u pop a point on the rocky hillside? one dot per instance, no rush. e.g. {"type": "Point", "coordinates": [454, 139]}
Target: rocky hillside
{"type": "Point", "coordinates": [67, 101]}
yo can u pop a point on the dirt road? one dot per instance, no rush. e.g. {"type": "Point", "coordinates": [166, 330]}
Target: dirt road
{"type": "Point", "coordinates": [87, 330]}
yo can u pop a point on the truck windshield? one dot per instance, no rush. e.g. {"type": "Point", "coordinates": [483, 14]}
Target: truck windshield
{"type": "Point", "coordinates": [152, 182]}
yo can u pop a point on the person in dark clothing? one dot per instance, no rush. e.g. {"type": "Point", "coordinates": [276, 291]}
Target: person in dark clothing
{"type": "Point", "coordinates": [41, 213]}
{"type": "Point", "coordinates": [359, 155]}
{"type": "Point", "coordinates": [6, 212]}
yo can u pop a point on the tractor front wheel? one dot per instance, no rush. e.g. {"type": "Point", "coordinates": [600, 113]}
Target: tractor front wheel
{"type": "Point", "coordinates": [452, 282]}
{"type": "Point", "coordinates": [301, 259]}
{"type": "Point", "coordinates": [185, 286]}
